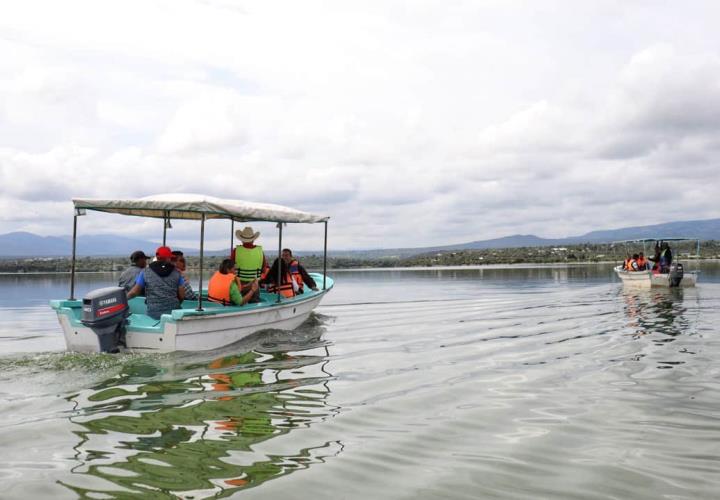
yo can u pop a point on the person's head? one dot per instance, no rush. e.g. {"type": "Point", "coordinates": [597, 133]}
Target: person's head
{"type": "Point", "coordinates": [138, 258]}
{"type": "Point", "coordinates": [163, 254]}
{"type": "Point", "coordinates": [175, 255]}
{"type": "Point", "coordinates": [636, 256]}
{"type": "Point", "coordinates": [642, 255]}
{"type": "Point", "coordinates": [180, 262]}
{"type": "Point", "coordinates": [287, 255]}
{"type": "Point", "coordinates": [664, 245]}
{"type": "Point", "coordinates": [247, 235]}
{"type": "Point", "coordinates": [227, 266]}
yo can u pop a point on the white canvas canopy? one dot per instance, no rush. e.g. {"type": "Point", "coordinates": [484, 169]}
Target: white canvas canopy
{"type": "Point", "coordinates": [192, 206]}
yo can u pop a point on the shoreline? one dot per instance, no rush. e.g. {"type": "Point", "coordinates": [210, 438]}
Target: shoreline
{"type": "Point", "coordinates": [459, 267]}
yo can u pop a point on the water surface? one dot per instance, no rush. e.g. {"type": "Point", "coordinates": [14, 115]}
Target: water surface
{"type": "Point", "coordinates": [519, 382]}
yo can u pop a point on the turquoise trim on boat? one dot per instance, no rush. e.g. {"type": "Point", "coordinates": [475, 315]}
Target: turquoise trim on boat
{"type": "Point", "coordinates": [139, 321]}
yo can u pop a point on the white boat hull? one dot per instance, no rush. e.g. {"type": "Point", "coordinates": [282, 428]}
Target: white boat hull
{"type": "Point", "coordinates": [649, 279]}
{"type": "Point", "coordinates": [188, 330]}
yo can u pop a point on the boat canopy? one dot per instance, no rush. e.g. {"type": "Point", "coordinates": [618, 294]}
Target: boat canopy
{"type": "Point", "coordinates": [648, 240]}
{"type": "Point", "coordinates": [193, 206]}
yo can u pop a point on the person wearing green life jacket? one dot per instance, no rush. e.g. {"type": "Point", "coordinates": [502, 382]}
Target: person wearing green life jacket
{"type": "Point", "coordinates": [249, 258]}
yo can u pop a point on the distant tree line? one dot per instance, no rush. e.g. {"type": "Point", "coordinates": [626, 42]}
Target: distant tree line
{"type": "Point", "coordinates": [526, 255]}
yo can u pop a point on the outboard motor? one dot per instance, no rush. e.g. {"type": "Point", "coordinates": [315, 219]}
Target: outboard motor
{"type": "Point", "coordinates": [105, 311]}
{"type": "Point", "coordinates": [676, 274]}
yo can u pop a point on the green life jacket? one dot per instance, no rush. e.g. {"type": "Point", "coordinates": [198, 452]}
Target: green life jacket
{"type": "Point", "coordinates": [249, 262]}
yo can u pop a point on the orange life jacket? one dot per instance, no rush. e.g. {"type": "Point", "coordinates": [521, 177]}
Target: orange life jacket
{"type": "Point", "coordinates": [219, 287]}
{"type": "Point", "coordinates": [286, 288]}
{"type": "Point", "coordinates": [632, 265]}
{"type": "Point", "coordinates": [295, 272]}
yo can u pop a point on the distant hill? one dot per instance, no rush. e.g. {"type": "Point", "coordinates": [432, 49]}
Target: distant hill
{"type": "Point", "coordinates": [23, 244]}
{"type": "Point", "coordinates": [701, 229]}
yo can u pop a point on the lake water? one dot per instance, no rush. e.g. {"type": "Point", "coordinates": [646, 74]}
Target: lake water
{"type": "Point", "coordinates": [515, 383]}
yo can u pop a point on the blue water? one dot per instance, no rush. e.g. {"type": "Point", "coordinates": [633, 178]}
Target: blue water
{"type": "Point", "coordinates": [519, 382]}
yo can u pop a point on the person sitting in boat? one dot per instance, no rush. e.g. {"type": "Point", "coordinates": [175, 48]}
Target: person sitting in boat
{"type": "Point", "coordinates": [626, 263]}
{"type": "Point", "coordinates": [249, 258]}
{"type": "Point", "coordinates": [631, 263]}
{"type": "Point", "coordinates": [162, 283]}
{"type": "Point", "coordinates": [226, 288]}
{"type": "Point", "coordinates": [179, 260]}
{"type": "Point", "coordinates": [287, 286]}
{"type": "Point", "coordinates": [129, 275]}
{"type": "Point", "coordinates": [297, 271]}
{"type": "Point", "coordinates": [642, 262]}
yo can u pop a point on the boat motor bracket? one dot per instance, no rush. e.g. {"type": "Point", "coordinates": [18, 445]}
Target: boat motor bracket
{"type": "Point", "coordinates": [676, 274]}
{"type": "Point", "coordinates": [105, 312]}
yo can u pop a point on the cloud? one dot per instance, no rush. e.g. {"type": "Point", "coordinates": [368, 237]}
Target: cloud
{"type": "Point", "coordinates": [409, 126]}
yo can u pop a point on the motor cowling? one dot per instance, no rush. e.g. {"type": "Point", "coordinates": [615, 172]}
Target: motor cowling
{"type": "Point", "coordinates": [105, 312]}
{"type": "Point", "coordinates": [676, 274]}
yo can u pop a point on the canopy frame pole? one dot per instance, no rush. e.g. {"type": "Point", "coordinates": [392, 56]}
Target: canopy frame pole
{"type": "Point", "coordinates": [279, 259]}
{"type": "Point", "coordinates": [202, 254]}
{"type": "Point", "coordinates": [165, 219]}
{"type": "Point", "coordinates": [232, 231]}
{"type": "Point", "coordinates": [325, 256]}
{"type": "Point", "coordinates": [72, 265]}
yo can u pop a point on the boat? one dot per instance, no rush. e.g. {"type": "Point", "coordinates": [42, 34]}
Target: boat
{"type": "Point", "coordinates": [677, 276]}
{"type": "Point", "coordinates": [105, 320]}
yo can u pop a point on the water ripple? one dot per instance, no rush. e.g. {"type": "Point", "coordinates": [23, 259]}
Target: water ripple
{"type": "Point", "coordinates": [536, 383]}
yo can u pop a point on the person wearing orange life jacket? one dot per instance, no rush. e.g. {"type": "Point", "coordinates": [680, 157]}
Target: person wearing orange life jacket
{"type": "Point", "coordinates": [298, 272]}
{"type": "Point", "coordinates": [249, 258]}
{"type": "Point", "coordinates": [642, 262]}
{"type": "Point", "coordinates": [626, 263]}
{"type": "Point", "coordinates": [632, 264]}
{"type": "Point", "coordinates": [287, 287]}
{"type": "Point", "coordinates": [225, 287]}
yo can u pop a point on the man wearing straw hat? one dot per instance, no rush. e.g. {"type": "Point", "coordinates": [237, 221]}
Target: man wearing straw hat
{"type": "Point", "coordinates": [249, 258]}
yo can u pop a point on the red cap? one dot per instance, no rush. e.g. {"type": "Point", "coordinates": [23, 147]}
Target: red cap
{"type": "Point", "coordinates": [163, 253]}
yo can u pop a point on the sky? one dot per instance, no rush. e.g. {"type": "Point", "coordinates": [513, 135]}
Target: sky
{"type": "Point", "coordinates": [409, 123]}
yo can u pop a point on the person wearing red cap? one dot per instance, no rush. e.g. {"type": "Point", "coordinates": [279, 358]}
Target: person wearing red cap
{"type": "Point", "coordinates": [164, 286]}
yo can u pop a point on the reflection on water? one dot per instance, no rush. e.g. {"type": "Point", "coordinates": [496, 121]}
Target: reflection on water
{"type": "Point", "coordinates": [190, 428]}
{"type": "Point", "coordinates": [657, 311]}
{"type": "Point", "coordinates": [494, 382]}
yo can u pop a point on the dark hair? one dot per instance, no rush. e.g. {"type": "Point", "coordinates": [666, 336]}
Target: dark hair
{"type": "Point", "coordinates": [137, 255]}
{"type": "Point", "coordinates": [177, 253]}
{"type": "Point", "coordinates": [636, 256]}
{"type": "Point", "coordinates": [287, 250]}
{"type": "Point", "coordinates": [226, 265]}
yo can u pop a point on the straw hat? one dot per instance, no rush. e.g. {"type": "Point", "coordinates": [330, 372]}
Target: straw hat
{"type": "Point", "coordinates": [247, 235]}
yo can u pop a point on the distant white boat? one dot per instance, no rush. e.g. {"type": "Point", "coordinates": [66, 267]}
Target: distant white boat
{"type": "Point", "coordinates": [676, 277]}
{"type": "Point", "coordinates": [104, 319]}
{"type": "Point", "coordinates": [650, 279]}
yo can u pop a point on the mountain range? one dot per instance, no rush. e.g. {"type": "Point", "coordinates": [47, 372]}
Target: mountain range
{"type": "Point", "coordinates": [23, 244]}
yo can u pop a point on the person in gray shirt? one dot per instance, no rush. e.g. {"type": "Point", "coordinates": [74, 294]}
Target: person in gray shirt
{"type": "Point", "coordinates": [162, 284]}
{"type": "Point", "coordinates": [178, 259]}
{"type": "Point", "coordinates": [129, 275]}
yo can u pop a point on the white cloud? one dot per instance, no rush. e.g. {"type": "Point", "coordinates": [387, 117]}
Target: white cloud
{"type": "Point", "coordinates": [408, 125]}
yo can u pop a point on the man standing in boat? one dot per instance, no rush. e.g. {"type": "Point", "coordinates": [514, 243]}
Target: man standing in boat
{"type": "Point", "coordinates": [662, 258]}
{"type": "Point", "coordinates": [249, 258]}
{"type": "Point", "coordinates": [163, 285]}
